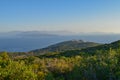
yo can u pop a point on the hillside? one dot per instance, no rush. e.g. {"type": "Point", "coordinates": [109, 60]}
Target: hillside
{"type": "Point", "coordinates": [103, 48]}
{"type": "Point", "coordinates": [65, 46]}
{"type": "Point", "coordinates": [100, 62]}
{"type": "Point", "coordinates": [106, 47]}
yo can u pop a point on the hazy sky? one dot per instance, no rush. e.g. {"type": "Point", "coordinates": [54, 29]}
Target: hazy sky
{"type": "Point", "coordinates": [69, 15]}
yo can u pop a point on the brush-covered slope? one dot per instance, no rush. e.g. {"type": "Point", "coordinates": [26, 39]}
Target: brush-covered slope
{"type": "Point", "coordinates": [104, 48]}
{"type": "Point", "coordinates": [65, 46]}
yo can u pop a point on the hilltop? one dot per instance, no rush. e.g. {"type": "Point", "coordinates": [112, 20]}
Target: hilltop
{"type": "Point", "coordinates": [65, 46]}
{"type": "Point", "coordinates": [103, 48]}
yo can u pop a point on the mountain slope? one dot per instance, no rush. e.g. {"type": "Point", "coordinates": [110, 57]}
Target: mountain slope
{"type": "Point", "coordinates": [104, 48]}
{"type": "Point", "coordinates": [66, 45]}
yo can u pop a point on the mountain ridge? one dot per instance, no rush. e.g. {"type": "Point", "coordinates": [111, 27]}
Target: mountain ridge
{"type": "Point", "coordinates": [66, 45]}
{"type": "Point", "coordinates": [105, 48]}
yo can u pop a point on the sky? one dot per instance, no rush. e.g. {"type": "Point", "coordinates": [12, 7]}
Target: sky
{"type": "Point", "coordinates": [60, 15]}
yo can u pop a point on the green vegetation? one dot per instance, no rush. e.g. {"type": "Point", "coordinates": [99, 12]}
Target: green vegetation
{"type": "Point", "coordinates": [96, 63]}
{"type": "Point", "coordinates": [65, 46]}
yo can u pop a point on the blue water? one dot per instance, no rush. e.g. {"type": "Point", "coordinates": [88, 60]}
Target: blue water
{"type": "Point", "coordinates": [30, 43]}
